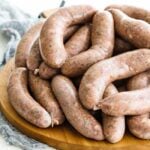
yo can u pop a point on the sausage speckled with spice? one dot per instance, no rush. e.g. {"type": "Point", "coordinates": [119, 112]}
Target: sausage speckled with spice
{"type": "Point", "coordinates": [77, 116]}
{"type": "Point", "coordinates": [51, 37]}
{"type": "Point", "coordinates": [113, 127]}
{"type": "Point", "coordinates": [42, 92]}
{"type": "Point", "coordinates": [46, 72]}
{"type": "Point", "coordinates": [22, 101]}
{"type": "Point", "coordinates": [80, 41]}
{"type": "Point", "coordinates": [102, 46]}
{"type": "Point", "coordinates": [101, 74]}
{"type": "Point", "coordinates": [34, 58]}
{"type": "Point", "coordinates": [139, 125]}
{"type": "Point", "coordinates": [132, 11]}
{"type": "Point", "coordinates": [136, 32]}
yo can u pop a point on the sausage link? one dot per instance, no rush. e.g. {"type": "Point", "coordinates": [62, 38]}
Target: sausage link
{"type": "Point", "coordinates": [102, 46]}
{"type": "Point", "coordinates": [127, 103]}
{"type": "Point", "coordinates": [77, 116]}
{"type": "Point", "coordinates": [139, 81]}
{"type": "Point", "coordinates": [34, 59]}
{"type": "Point", "coordinates": [70, 31]}
{"type": "Point", "coordinates": [54, 53]}
{"type": "Point", "coordinates": [132, 11]}
{"type": "Point", "coordinates": [22, 101]}
{"type": "Point", "coordinates": [43, 94]}
{"type": "Point", "coordinates": [100, 75]}
{"type": "Point", "coordinates": [139, 125]}
{"type": "Point", "coordinates": [136, 32]}
{"type": "Point", "coordinates": [26, 43]}
{"type": "Point", "coordinates": [113, 127]}
{"type": "Point", "coordinates": [80, 41]}
{"type": "Point", "coordinates": [72, 47]}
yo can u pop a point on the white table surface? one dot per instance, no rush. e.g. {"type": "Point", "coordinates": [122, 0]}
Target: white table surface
{"type": "Point", "coordinates": [34, 7]}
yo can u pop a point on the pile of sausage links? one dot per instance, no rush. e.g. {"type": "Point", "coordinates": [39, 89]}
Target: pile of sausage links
{"type": "Point", "coordinates": [87, 66]}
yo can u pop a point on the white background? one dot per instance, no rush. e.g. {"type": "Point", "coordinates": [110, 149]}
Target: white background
{"type": "Point", "coordinates": [34, 7]}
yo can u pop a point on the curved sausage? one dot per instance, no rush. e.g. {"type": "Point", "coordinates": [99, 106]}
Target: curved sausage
{"type": "Point", "coordinates": [80, 41]}
{"type": "Point", "coordinates": [139, 81]}
{"type": "Point", "coordinates": [70, 31]}
{"type": "Point", "coordinates": [77, 116]}
{"type": "Point", "coordinates": [136, 32]}
{"type": "Point", "coordinates": [34, 58]}
{"type": "Point", "coordinates": [22, 101]}
{"type": "Point", "coordinates": [127, 103]}
{"type": "Point", "coordinates": [102, 46]}
{"type": "Point", "coordinates": [51, 37]}
{"type": "Point", "coordinates": [26, 43]}
{"type": "Point", "coordinates": [96, 79]}
{"type": "Point", "coordinates": [139, 125]}
{"type": "Point", "coordinates": [43, 94]}
{"type": "Point", "coordinates": [132, 11]}
{"type": "Point", "coordinates": [113, 127]}
{"type": "Point", "coordinates": [73, 47]}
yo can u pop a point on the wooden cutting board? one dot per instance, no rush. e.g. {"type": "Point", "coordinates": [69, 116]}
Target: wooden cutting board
{"type": "Point", "coordinates": [62, 137]}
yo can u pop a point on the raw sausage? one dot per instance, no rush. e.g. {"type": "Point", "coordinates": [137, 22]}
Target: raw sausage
{"type": "Point", "coordinates": [127, 103]}
{"type": "Point", "coordinates": [139, 125]}
{"type": "Point", "coordinates": [42, 92]}
{"type": "Point", "coordinates": [136, 32]}
{"type": "Point", "coordinates": [26, 43]}
{"type": "Point", "coordinates": [132, 11]}
{"type": "Point", "coordinates": [51, 37]}
{"type": "Point", "coordinates": [113, 127]}
{"type": "Point", "coordinates": [80, 41]}
{"type": "Point", "coordinates": [77, 116]}
{"type": "Point", "coordinates": [102, 46]}
{"type": "Point", "coordinates": [22, 101]}
{"type": "Point", "coordinates": [34, 59]}
{"type": "Point", "coordinates": [98, 77]}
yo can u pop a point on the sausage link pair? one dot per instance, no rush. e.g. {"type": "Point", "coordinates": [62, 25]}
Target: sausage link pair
{"type": "Point", "coordinates": [139, 125]}
{"type": "Point", "coordinates": [136, 32]}
{"type": "Point", "coordinates": [22, 101]}
{"type": "Point", "coordinates": [51, 37]}
{"type": "Point", "coordinates": [26, 43]}
{"type": "Point", "coordinates": [102, 46]}
{"type": "Point", "coordinates": [77, 116]}
{"type": "Point", "coordinates": [34, 57]}
{"type": "Point", "coordinates": [73, 46]}
{"type": "Point", "coordinates": [127, 103]}
{"type": "Point", "coordinates": [43, 94]}
{"type": "Point", "coordinates": [100, 75]}
{"type": "Point", "coordinates": [132, 11]}
{"type": "Point", "coordinates": [113, 127]}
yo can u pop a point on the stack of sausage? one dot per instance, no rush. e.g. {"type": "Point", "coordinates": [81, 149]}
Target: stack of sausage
{"type": "Point", "coordinates": [80, 61]}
